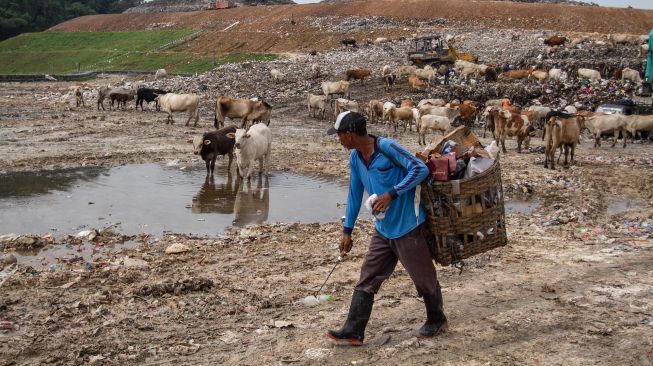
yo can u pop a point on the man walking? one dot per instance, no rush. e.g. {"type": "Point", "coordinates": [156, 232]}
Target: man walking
{"type": "Point", "coordinates": [382, 167]}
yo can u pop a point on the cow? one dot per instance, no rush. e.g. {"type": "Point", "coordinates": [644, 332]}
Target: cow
{"type": "Point", "coordinates": [639, 123]}
{"type": "Point", "coordinates": [78, 92]}
{"type": "Point", "coordinates": [555, 41]}
{"type": "Point", "coordinates": [148, 95]}
{"type": "Point", "coordinates": [276, 75]}
{"type": "Point", "coordinates": [516, 74]}
{"type": "Point", "coordinates": [376, 110]}
{"type": "Point", "coordinates": [630, 74]}
{"type": "Point", "coordinates": [404, 114]}
{"type": "Point", "coordinates": [336, 87]}
{"type": "Point", "coordinates": [557, 74]}
{"type": "Point", "coordinates": [433, 123]}
{"type": "Point", "coordinates": [431, 102]}
{"type": "Point", "coordinates": [315, 70]}
{"type": "Point", "coordinates": [349, 42]}
{"type": "Point", "coordinates": [468, 113]}
{"type": "Point", "coordinates": [540, 114]}
{"type": "Point", "coordinates": [342, 105]}
{"type": "Point", "coordinates": [560, 132]}
{"type": "Point", "coordinates": [102, 93]}
{"type": "Point", "coordinates": [171, 102]}
{"type": "Point", "coordinates": [121, 98]}
{"type": "Point", "coordinates": [451, 113]}
{"type": "Point", "coordinates": [252, 145]}
{"type": "Point", "coordinates": [359, 74]}
{"type": "Point", "coordinates": [316, 103]}
{"type": "Point", "coordinates": [507, 124]}
{"type": "Point", "coordinates": [214, 143]}
{"type": "Point", "coordinates": [607, 123]}
{"type": "Point", "coordinates": [415, 83]}
{"type": "Point", "coordinates": [246, 109]}
{"type": "Point", "coordinates": [160, 74]}
{"type": "Point", "coordinates": [388, 81]}
{"type": "Point", "coordinates": [589, 74]}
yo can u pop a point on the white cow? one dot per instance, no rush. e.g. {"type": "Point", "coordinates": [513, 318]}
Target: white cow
{"type": "Point", "coordinates": [589, 74]}
{"type": "Point", "coordinates": [251, 145]}
{"type": "Point", "coordinates": [336, 87]}
{"type": "Point", "coordinates": [630, 74]}
{"type": "Point", "coordinates": [639, 123]}
{"type": "Point", "coordinates": [171, 102]}
{"type": "Point", "coordinates": [316, 103]}
{"type": "Point", "coordinates": [433, 123]}
{"type": "Point", "coordinates": [607, 123]}
{"type": "Point", "coordinates": [160, 74]}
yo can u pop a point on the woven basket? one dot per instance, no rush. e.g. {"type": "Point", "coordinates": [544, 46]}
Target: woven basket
{"type": "Point", "coordinates": [466, 217]}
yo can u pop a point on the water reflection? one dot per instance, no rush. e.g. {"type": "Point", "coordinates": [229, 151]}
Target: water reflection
{"type": "Point", "coordinates": [252, 203]}
{"type": "Point", "coordinates": [36, 183]}
{"type": "Point", "coordinates": [215, 199]}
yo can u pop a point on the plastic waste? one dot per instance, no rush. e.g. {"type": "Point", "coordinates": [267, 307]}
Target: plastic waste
{"type": "Point", "coordinates": [492, 149]}
{"type": "Point", "coordinates": [370, 202]}
{"type": "Point", "coordinates": [312, 300]}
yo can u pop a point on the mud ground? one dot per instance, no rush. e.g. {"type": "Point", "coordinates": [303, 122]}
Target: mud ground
{"type": "Point", "coordinates": [573, 287]}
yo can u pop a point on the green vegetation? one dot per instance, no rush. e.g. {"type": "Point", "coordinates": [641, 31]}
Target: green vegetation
{"type": "Point", "coordinates": [22, 16]}
{"type": "Point", "coordinates": [59, 53]}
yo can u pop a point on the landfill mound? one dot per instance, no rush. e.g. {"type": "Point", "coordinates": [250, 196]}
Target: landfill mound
{"type": "Point", "coordinates": [173, 6]}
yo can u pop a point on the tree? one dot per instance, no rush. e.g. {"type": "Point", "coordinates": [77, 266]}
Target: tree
{"type": "Point", "coordinates": [19, 16]}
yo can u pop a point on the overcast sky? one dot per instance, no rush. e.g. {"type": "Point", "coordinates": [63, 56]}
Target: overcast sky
{"type": "Point", "coordinates": [639, 4]}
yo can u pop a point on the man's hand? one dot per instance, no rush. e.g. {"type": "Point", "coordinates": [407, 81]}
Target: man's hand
{"type": "Point", "coordinates": [346, 243]}
{"type": "Point", "coordinates": [382, 203]}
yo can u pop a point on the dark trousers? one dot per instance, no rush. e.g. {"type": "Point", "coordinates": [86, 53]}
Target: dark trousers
{"type": "Point", "coordinates": [413, 253]}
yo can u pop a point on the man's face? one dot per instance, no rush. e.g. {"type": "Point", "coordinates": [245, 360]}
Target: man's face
{"type": "Point", "coordinates": [345, 139]}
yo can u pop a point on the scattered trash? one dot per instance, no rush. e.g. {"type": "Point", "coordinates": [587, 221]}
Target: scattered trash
{"type": "Point", "coordinates": [316, 353]}
{"type": "Point", "coordinates": [282, 324]}
{"type": "Point", "coordinates": [88, 234]}
{"type": "Point", "coordinates": [177, 248]}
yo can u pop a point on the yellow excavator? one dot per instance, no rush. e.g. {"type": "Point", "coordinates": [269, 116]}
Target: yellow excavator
{"type": "Point", "coordinates": [433, 50]}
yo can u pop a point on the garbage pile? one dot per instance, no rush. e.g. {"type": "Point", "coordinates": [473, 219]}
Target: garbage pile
{"type": "Point", "coordinates": [500, 48]}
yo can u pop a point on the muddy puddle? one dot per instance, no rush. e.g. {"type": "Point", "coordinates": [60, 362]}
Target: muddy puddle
{"type": "Point", "coordinates": [152, 199]}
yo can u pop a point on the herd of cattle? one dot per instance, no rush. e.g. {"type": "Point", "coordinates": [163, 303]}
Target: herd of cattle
{"type": "Point", "coordinates": [252, 141]}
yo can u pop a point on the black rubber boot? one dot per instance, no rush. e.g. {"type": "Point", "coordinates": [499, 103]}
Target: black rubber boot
{"type": "Point", "coordinates": [436, 321]}
{"type": "Point", "coordinates": [353, 332]}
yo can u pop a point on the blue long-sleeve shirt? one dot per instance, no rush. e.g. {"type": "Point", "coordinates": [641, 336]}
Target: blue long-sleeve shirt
{"type": "Point", "coordinates": [382, 175]}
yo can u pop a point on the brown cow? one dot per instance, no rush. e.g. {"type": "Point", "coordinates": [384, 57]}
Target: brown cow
{"type": "Point", "coordinates": [247, 109]}
{"type": "Point", "coordinates": [507, 124]}
{"type": "Point", "coordinates": [415, 83]}
{"type": "Point", "coordinates": [516, 74]}
{"type": "Point", "coordinates": [555, 40]}
{"type": "Point", "coordinates": [468, 113]}
{"type": "Point", "coordinates": [563, 132]}
{"type": "Point", "coordinates": [359, 74]}
{"type": "Point", "coordinates": [407, 103]}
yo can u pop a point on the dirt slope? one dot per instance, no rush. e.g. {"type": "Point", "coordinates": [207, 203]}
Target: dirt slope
{"type": "Point", "coordinates": [319, 26]}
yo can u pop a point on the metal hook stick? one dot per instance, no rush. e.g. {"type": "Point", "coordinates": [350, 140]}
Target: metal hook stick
{"type": "Point", "coordinates": [338, 260]}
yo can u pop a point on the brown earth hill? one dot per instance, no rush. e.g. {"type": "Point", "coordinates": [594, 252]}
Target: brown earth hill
{"type": "Point", "coordinates": [323, 25]}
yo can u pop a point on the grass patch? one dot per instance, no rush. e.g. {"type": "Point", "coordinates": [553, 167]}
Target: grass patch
{"type": "Point", "coordinates": [59, 53]}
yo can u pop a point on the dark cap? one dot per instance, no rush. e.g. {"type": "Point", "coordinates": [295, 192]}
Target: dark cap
{"type": "Point", "coordinates": [348, 122]}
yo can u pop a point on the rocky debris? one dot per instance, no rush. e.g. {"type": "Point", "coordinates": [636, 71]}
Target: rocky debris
{"type": "Point", "coordinates": [176, 287]}
{"type": "Point", "coordinates": [23, 242]}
